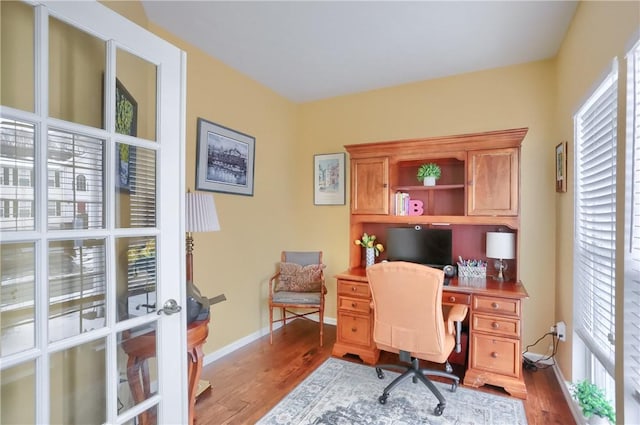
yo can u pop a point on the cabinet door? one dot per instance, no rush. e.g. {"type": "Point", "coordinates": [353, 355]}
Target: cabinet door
{"type": "Point", "coordinates": [493, 182]}
{"type": "Point", "coordinates": [370, 186]}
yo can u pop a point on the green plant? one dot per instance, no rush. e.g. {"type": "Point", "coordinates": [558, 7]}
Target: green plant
{"type": "Point", "coordinates": [593, 401]}
{"type": "Point", "coordinates": [369, 241]}
{"type": "Point", "coordinates": [429, 170]}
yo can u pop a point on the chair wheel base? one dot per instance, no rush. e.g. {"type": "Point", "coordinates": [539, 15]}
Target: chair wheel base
{"type": "Point", "coordinates": [454, 386]}
{"type": "Point", "coordinates": [438, 410]}
{"type": "Point", "coordinates": [383, 398]}
{"type": "Point", "coordinates": [380, 373]}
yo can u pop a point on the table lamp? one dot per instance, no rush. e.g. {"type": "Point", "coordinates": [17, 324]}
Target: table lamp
{"type": "Point", "coordinates": [501, 246]}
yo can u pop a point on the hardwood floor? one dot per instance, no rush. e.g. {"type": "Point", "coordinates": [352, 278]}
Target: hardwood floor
{"type": "Point", "coordinates": [247, 383]}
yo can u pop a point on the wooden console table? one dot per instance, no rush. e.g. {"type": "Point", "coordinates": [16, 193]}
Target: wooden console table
{"type": "Point", "coordinates": [143, 347]}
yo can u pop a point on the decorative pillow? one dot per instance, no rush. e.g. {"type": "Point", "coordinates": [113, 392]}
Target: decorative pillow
{"type": "Point", "coordinates": [297, 278]}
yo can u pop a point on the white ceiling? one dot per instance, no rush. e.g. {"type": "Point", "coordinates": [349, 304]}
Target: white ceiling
{"type": "Point", "coordinates": [311, 50]}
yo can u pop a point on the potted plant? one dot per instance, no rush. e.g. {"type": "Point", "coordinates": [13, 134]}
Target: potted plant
{"type": "Point", "coordinates": [593, 402]}
{"type": "Point", "coordinates": [429, 173]}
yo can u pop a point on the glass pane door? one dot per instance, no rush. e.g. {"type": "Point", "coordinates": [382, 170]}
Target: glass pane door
{"type": "Point", "coordinates": [86, 218]}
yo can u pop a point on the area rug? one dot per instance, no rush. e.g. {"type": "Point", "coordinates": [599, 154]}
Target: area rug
{"type": "Point", "coordinates": [345, 393]}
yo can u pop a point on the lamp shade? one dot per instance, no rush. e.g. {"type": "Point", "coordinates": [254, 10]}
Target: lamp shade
{"type": "Point", "coordinates": [501, 245]}
{"type": "Point", "coordinates": [201, 213]}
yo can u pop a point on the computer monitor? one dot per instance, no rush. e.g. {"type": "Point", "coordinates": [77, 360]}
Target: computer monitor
{"type": "Point", "coordinates": [431, 247]}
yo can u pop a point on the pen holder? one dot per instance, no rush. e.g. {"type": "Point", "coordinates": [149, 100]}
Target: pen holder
{"type": "Point", "coordinates": [472, 271]}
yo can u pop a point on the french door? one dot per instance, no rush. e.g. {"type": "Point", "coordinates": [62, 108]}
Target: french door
{"type": "Point", "coordinates": [91, 207]}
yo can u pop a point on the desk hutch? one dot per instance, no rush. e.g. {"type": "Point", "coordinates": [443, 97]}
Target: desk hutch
{"type": "Point", "coordinates": [477, 193]}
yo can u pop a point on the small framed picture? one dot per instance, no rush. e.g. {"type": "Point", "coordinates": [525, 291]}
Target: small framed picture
{"type": "Point", "coordinates": [329, 179]}
{"type": "Point", "coordinates": [561, 167]}
{"type": "Point", "coordinates": [225, 159]}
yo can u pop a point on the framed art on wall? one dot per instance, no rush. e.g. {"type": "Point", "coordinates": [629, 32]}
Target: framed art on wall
{"type": "Point", "coordinates": [561, 167]}
{"type": "Point", "coordinates": [127, 124]}
{"type": "Point", "coordinates": [225, 159]}
{"type": "Point", "coordinates": [329, 179]}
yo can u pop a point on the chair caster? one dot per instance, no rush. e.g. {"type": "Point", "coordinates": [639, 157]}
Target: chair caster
{"type": "Point", "coordinates": [380, 373]}
{"type": "Point", "coordinates": [454, 386]}
{"type": "Point", "coordinates": [438, 410]}
{"type": "Point", "coordinates": [383, 398]}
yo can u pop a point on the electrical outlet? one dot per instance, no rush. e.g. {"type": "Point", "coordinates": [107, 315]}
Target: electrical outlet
{"type": "Point", "coordinates": [561, 331]}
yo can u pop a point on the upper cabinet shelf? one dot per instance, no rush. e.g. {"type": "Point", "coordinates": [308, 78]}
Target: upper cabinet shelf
{"type": "Point", "coordinates": [480, 175]}
{"type": "Point", "coordinates": [436, 187]}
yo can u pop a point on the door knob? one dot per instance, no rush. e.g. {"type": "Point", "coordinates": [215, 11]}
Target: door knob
{"type": "Point", "coordinates": [170, 307]}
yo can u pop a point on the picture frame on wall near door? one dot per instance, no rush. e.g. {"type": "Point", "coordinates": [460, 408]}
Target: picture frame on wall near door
{"type": "Point", "coordinates": [225, 159]}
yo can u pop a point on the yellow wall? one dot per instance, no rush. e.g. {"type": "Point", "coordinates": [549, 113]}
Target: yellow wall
{"type": "Point", "coordinates": [239, 259]}
{"type": "Point", "coordinates": [518, 96]}
{"type": "Point", "coordinates": [599, 32]}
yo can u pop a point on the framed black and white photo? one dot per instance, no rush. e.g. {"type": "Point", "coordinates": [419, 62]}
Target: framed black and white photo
{"type": "Point", "coordinates": [224, 159]}
{"type": "Point", "coordinates": [329, 179]}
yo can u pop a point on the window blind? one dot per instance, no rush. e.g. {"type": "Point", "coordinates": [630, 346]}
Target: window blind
{"type": "Point", "coordinates": [632, 242]}
{"type": "Point", "coordinates": [595, 228]}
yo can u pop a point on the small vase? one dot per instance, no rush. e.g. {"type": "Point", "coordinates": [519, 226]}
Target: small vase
{"type": "Point", "coordinates": [429, 181]}
{"type": "Point", "coordinates": [370, 255]}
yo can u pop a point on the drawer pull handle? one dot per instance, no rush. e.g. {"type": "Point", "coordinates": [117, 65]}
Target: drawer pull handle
{"type": "Point", "coordinates": [494, 355]}
{"type": "Point", "coordinates": [353, 288]}
{"type": "Point", "coordinates": [452, 299]}
{"type": "Point", "coordinates": [354, 330]}
{"type": "Point", "coordinates": [354, 305]}
{"type": "Point", "coordinates": [495, 325]}
{"type": "Point", "coordinates": [495, 305]}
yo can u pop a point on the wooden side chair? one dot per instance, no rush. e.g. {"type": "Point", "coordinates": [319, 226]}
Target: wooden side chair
{"type": "Point", "coordinates": [298, 284]}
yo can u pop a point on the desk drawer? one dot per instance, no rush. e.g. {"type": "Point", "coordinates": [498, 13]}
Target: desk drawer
{"type": "Point", "coordinates": [358, 305]}
{"type": "Point", "coordinates": [449, 297]}
{"type": "Point", "coordinates": [496, 305]}
{"type": "Point", "coordinates": [496, 325]}
{"type": "Point", "coordinates": [352, 288]}
{"type": "Point", "coordinates": [495, 354]}
{"type": "Point", "coordinates": [353, 329]}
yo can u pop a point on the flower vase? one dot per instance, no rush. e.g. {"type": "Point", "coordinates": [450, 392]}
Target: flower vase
{"type": "Point", "coordinates": [370, 255]}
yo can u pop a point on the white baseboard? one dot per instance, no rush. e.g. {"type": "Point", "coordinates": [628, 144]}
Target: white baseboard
{"type": "Point", "coordinates": [228, 349]}
{"type": "Point", "coordinates": [573, 406]}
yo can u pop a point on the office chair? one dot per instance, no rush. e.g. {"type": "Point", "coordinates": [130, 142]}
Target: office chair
{"type": "Point", "coordinates": [408, 320]}
{"type": "Point", "coordinates": [298, 284]}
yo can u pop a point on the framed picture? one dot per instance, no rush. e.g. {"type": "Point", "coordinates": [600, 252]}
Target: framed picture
{"type": "Point", "coordinates": [125, 166]}
{"type": "Point", "coordinates": [329, 179]}
{"type": "Point", "coordinates": [561, 167]}
{"type": "Point", "coordinates": [225, 159]}
{"type": "Point", "coordinates": [126, 111]}
{"type": "Point", "coordinates": [126, 123]}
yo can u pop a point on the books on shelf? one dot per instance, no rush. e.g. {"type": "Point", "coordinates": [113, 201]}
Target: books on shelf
{"type": "Point", "coordinates": [401, 204]}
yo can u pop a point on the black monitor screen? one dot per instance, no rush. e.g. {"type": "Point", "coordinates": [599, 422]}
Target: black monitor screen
{"type": "Point", "coordinates": [431, 247]}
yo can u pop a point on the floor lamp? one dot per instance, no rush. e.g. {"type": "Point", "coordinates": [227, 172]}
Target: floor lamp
{"type": "Point", "coordinates": [201, 217]}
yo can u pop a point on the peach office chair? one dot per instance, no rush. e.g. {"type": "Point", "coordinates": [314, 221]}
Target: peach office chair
{"type": "Point", "coordinates": [298, 284]}
{"type": "Point", "coordinates": [408, 319]}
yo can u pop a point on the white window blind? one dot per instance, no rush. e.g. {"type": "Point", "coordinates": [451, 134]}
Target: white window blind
{"type": "Point", "coordinates": [595, 228]}
{"type": "Point", "coordinates": [632, 242]}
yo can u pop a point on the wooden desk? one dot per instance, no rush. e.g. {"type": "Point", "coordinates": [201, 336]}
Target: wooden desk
{"type": "Point", "coordinates": [143, 347]}
{"type": "Point", "coordinates": [495, 316]}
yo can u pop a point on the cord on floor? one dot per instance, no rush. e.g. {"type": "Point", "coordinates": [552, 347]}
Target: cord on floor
{"type": "Point", "coordinates": [532, 365]}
